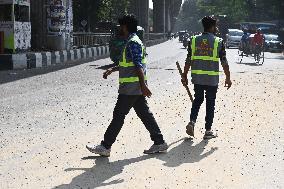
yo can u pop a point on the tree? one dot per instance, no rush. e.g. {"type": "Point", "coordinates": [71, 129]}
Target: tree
{"type": "Point", "coordinates": [85, 10]}
{"type": "Point", "coordinates": [236, 10]}
{"type": "Point", "coordinates": [269, 10]}
{"type": "Point", "coordinates": [95, 11]}
{"type": "Point", "coordinates": [189, 17]}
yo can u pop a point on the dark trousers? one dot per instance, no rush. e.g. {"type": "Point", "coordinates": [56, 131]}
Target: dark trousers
{"type": "Point", "coordinates": [122, 108]}
{"type": "Point", "coordinates": [210, 94]}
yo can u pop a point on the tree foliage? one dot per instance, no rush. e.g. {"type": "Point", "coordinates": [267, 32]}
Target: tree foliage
{"type": "Point", "coordinates": [110, 10]}
{"type": "Point", "coordinates": [95, 11]}
{"type": "Point", "coordinates": [236, 10]}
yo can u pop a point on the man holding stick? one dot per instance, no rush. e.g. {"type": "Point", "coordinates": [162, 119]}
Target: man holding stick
{"type": "Point", "coordinates": [203, 57]}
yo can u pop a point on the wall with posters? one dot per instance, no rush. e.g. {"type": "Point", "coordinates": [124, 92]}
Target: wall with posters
{"type": "Point", "coordinates": [59, 24]}
{"type": "Point", "coordinates": [22, 25]}
{"type": "Point", "coordinates": [52, 27]}
{"type": "Point", "coordinates": [56, 18]}
{"type": "Point", "coordinates": [15, 25]}
{"type": "Point", "coordinates": [22, 35]}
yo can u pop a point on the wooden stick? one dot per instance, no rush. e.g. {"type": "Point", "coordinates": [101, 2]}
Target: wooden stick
{"type": "Point", "coordinates": [186, 87]}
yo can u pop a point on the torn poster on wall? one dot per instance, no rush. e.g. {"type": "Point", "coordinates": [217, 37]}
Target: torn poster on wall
{"type": "Point", "coordinates": [56, 18]}
{"type": "Point", "coordinates": [17, 36]}
{"type": "Point", "coordinates": [22, 35]}
{"type": "Point", "coordinates": [60, 18]}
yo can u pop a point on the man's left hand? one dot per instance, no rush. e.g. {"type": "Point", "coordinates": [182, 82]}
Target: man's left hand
{"type": "Point", "coordinates": [228, 83]}
{"type": "Point", "coordinates": [146, 91]}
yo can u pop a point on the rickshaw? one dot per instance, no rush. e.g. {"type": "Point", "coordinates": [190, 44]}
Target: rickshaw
{"type": "Point", "coordinates": [249, 49]}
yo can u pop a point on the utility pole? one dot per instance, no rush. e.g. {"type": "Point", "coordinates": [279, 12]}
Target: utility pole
{"type": "Point", "coordinates": [89, 19]}
{"type": "Point", "coordinates": [281, 8]}
{"type": "Point", "coordinates": [164, 12]}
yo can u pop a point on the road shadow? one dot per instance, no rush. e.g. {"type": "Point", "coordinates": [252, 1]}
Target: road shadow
{"type": "Point", "coordinates": [103, 170]}
{"type": "Point", "coordinates": [232, 48]}
{"type": "Point", "coordinates": [275, 58]}
{"type": "Point", "coordinates": [101, 174]}
{"type": "Point", "coordinates": [186, 153]}
{"type": "Point", "coordinates": [7, 76]}
{"type": "Point", "coordinates": [105, 67]}
{"type": "Point", "coordinates": [250, 64]}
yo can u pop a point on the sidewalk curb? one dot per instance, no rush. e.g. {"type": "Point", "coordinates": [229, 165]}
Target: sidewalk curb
{"type": "Point", "coordinates": [45, 59]}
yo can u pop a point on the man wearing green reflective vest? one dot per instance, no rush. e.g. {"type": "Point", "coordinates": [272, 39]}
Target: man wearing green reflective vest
{"type": "Point", "coordinates": [204, 53]}
{"type": "Point", "coordinates": [133, 91]}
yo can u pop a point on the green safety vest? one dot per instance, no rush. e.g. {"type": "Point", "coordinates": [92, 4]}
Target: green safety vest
{"type": "Point", "coordinates": [128, 79]}
{"type": "Point", "coordinates": [205, 59]}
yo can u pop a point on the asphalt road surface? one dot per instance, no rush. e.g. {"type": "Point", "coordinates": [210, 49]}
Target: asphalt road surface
{"type": "Point", "coordinates": [48, 116]}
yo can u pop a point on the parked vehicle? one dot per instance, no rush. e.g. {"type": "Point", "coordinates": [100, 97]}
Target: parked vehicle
{"type": "Point", "coordinates": [272, 43]}
{"type": "Point", "coordinates": [233, 38]}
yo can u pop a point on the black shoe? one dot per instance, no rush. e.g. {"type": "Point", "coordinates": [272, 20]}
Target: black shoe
{"type": "Point", "coordinates": [190, 128]}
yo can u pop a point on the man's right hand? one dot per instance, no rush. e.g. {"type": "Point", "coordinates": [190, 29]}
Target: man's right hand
{"type": "Point", "coordinates": [184, 80]}
{"type": "Point", "coordinates": [107, 73]}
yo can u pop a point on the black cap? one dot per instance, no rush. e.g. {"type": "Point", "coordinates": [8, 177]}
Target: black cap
{"type": "Point", "coordinates": [130, 21]}
{"type": "Point", "coordinates": [208, 22]}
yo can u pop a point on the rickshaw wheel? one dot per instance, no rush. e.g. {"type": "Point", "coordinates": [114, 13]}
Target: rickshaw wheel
{"type": "Point", "coordinates": [240, 56]}
{"type": "Point", "coordinates": [262, 58]}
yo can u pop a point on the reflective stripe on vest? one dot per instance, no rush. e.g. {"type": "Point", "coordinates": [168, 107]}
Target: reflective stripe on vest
{"type": "Point", "coordinates": [210, 59]}
{"type": "Point", "coordinates": [202, 72]}
{"type": "Point", "coordinates": [126, 64]}
{"type": "Point", "coordinates": [213, 58]}
{"type": "Point", "coordinates": [130, 79]}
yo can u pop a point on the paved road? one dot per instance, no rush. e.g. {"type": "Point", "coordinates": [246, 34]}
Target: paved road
{"type": "Point", "coordinates": [48, 116]}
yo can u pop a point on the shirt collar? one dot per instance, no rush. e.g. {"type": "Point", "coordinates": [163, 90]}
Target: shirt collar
{"type": "Point", "coordinates": [131, 35]}
{"type": "Point", "coordinates": [208, 33]}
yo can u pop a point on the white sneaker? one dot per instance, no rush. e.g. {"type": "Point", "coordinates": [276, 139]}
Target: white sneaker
{"type": "Point", "coordinates": [100, 149]}
{"type": "Point", "coordinates": [209, 135]}
{"type": "Point", "coordinates": [162, 148]}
